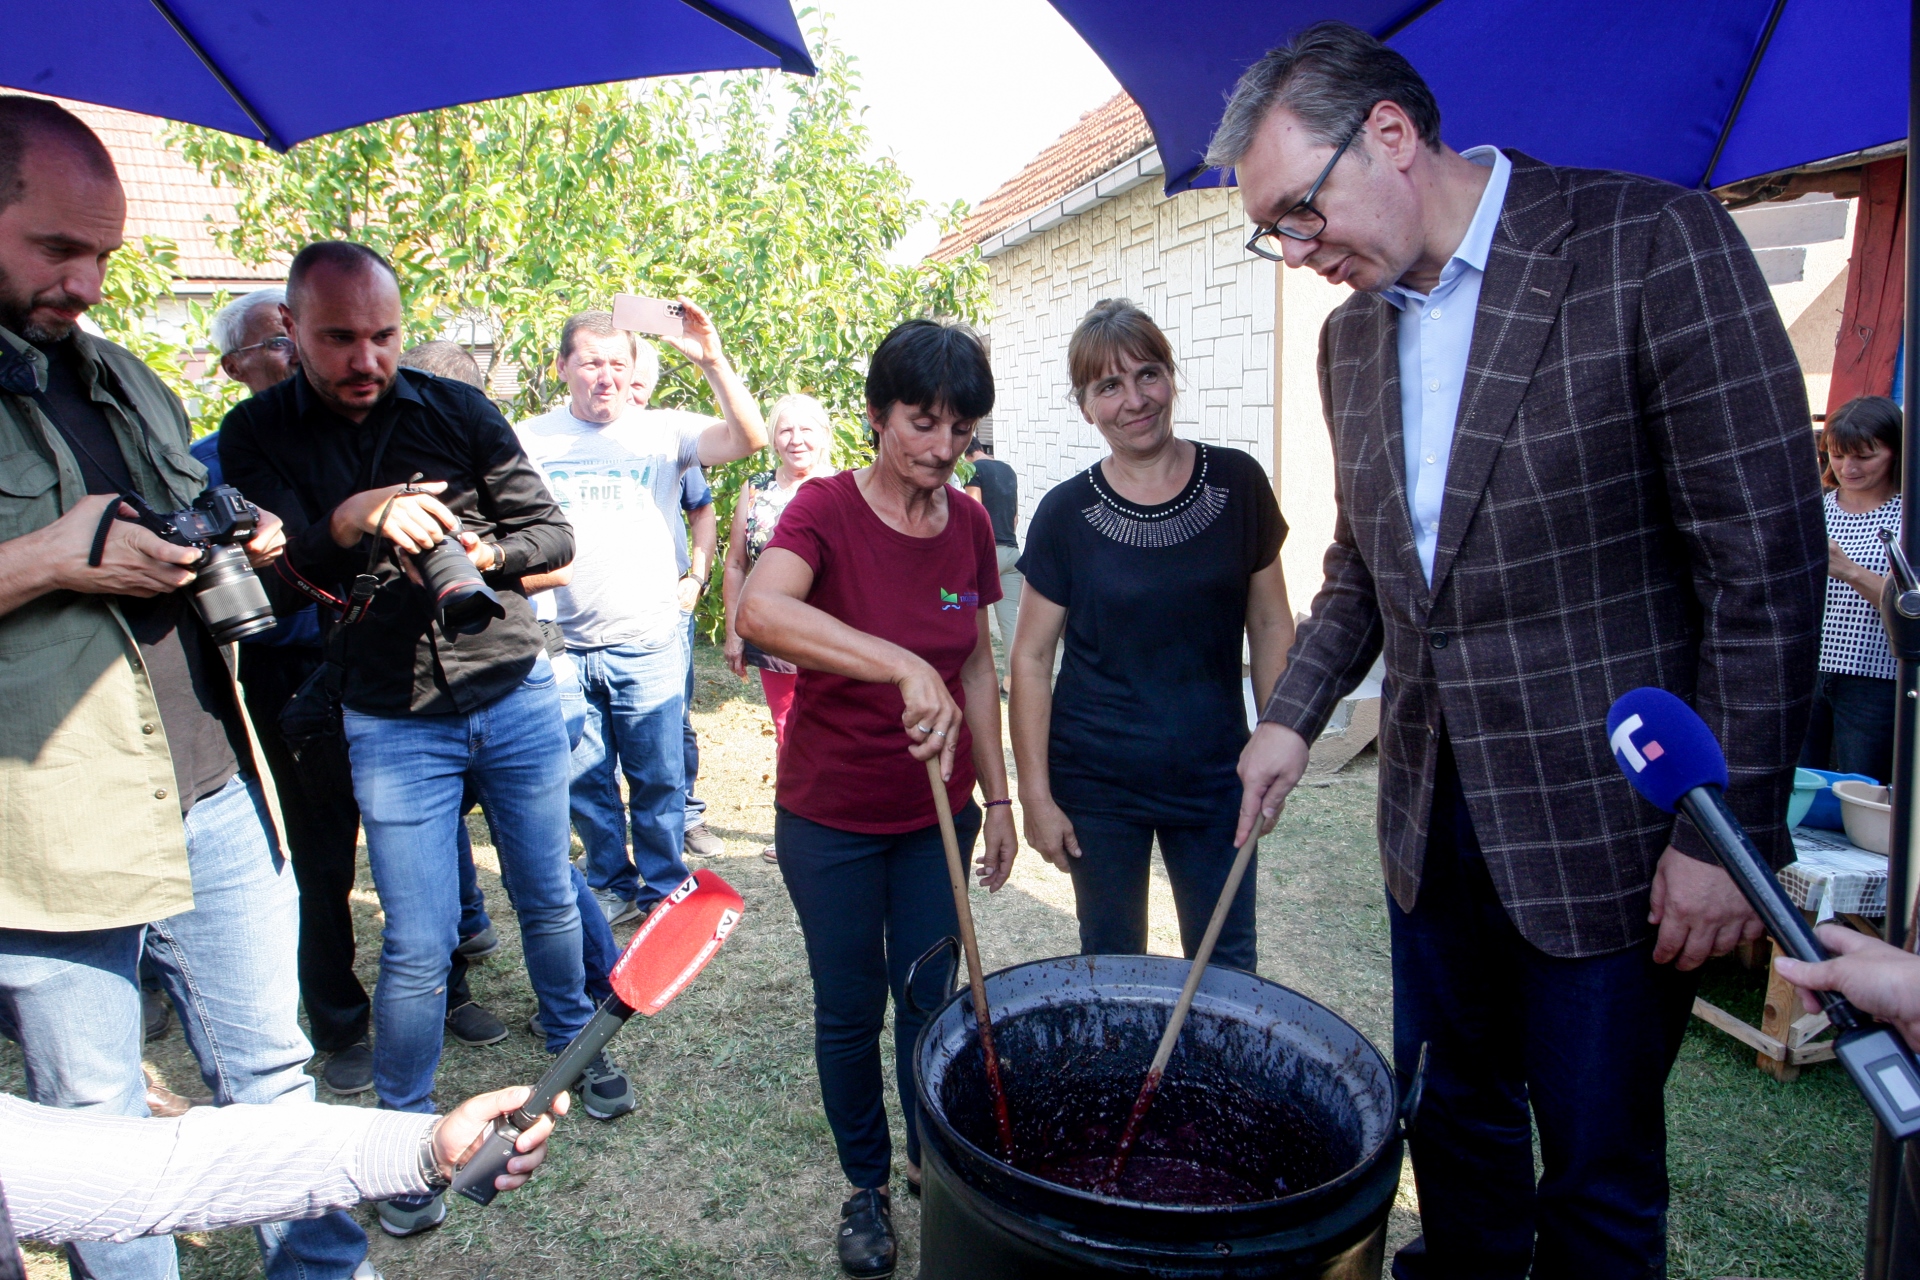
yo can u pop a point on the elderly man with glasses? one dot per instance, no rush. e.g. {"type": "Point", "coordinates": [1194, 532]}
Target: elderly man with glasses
{"type": "Point", "coordinates": [1573, 458]}
{"type": "Point", "coordinates": [255, 350]}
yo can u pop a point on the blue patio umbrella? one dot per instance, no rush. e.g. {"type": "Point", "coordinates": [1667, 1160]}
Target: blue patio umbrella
{"type": "Point", "coordinates": [1699, 92]}
{"type": "Point", "coordinates": [288, 71]}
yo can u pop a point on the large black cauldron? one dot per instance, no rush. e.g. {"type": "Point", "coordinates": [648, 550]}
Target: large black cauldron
{"type": "Point", "coordinates": [1275, 1088]}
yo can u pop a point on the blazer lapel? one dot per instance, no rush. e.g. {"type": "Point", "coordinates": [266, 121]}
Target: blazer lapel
{"type": "Point", "coordinates": [1383, 340]}
{"type": "Point", "coordinates": [1520, 298]}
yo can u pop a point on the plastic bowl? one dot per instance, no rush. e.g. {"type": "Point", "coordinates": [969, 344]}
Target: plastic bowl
{"type": "Point", "coordinates": [1806, 785]}
{"type": "Point", "coordinates": [1866, 813]}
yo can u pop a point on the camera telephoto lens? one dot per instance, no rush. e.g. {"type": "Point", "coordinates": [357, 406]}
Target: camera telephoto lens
{"type": "Point", "coordinates": [461, 597]}
{"type": "Point", "coordinates": [229, 596]}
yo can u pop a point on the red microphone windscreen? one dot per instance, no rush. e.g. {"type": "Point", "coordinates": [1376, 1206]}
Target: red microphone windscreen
{"type": "Point", "coordinates": [679, 937]}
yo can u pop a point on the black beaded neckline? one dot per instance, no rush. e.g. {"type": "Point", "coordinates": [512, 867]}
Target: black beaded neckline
{"type": "Point", "coordinates": [1196, 484]}
{"type": "Point", "coordinates": [1187, 515]}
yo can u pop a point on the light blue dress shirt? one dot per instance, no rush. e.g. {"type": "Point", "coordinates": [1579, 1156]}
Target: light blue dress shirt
{"type": "Point", "coordinates": [1436, 335]}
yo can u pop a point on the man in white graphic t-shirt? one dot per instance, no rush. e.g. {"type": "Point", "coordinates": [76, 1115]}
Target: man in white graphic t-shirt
{"type": "Point", "coordinates": [616, 472]}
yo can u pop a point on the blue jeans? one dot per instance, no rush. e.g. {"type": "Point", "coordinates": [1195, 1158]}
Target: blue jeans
{"type": "Point", "coordinates": [634, 701]}
{"type": "Point", "coordinates": [696, 810]}
{"type": "Point", "coordinates": [868, 905]}
{"type": "Point", "coordinates": [72, 1001]}
{"type": "Point", "coordinates": [1851, 729]}
{"type": "Point", "coordinates": [408, 774]}
{"type": "Point", "coordinates": [1110, 879]}
{"type": "Point", "coordinates": [1579, 1047]}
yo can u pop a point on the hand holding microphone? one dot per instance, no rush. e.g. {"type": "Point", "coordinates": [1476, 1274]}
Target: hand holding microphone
{"type": "Point", "coordinates": [1669, 755]}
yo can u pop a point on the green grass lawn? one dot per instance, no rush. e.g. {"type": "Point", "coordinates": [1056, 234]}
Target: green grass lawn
{"type": "Point", "coordinates": [727, 1169]}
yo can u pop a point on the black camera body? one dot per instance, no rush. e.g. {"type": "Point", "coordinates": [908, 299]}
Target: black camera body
{"type": "Point", "coordinates": [226, 593]}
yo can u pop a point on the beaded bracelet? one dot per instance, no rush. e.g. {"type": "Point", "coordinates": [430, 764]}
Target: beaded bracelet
{"type": "Point", "coordinates": [989, 804]}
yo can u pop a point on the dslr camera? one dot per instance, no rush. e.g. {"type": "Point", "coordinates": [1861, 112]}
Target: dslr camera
{"type": "Point", "coordinates": [462, 600]}
{"type": "Point", "coordinates": [226, 594]}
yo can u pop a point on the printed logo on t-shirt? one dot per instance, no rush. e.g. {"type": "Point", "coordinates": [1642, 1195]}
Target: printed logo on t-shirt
{"type": "Point", "coordinates": [958, 600]}
{"type": "Point", "coordinates": [613, 489]}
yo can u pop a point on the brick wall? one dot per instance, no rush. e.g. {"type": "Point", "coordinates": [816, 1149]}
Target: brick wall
{"type": "Point", "coordinates": [1182, 260]}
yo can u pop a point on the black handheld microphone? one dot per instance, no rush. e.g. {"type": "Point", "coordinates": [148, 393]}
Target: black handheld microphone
{"type": "Point", "coordinates": [1671, 758]}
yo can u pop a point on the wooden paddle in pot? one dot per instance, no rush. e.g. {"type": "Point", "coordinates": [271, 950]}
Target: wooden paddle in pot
{"type": "Point", "coordinates": [957, 873]}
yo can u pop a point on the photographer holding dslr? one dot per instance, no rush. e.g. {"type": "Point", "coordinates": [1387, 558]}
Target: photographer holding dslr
{"type": "Point", "coordinates": [407, 497]}
{"type": "Point", "coordinates": [135, 815]}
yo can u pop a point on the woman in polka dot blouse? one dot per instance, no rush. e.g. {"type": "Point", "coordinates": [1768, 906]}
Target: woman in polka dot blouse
{"type": "Point", "coordinates": [1852, 726]}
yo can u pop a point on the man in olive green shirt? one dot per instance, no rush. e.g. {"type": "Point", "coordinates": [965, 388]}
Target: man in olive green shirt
{"type": "Point", "coordinates": [132, 816]}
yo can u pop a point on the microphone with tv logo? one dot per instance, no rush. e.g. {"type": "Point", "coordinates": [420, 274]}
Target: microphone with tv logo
{"type": "Point", "coordinates": [1671, 758]}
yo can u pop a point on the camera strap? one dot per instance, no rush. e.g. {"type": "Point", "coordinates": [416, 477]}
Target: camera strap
{"type": "Point", "coordinates": [144, 514]}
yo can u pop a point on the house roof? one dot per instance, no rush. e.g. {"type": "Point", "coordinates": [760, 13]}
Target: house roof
{"type": "Point", "coordinates": [1105, 137]}
{"type": "Point", "coordinates": [167, 196]}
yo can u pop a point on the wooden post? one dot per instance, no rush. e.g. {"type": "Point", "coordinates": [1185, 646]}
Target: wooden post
{"type": "Point", "coordinates": [1776, 1020]}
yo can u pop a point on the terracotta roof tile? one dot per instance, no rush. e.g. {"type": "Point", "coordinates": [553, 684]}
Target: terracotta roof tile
{"type": "Point", "coordinates": [167, 196]}
{"type": "Point", "coordinates": [1105, 137]}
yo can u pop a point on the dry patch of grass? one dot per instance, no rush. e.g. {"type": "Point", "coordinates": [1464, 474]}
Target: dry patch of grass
{"type": "Point", "coordinates": [728, 1169]}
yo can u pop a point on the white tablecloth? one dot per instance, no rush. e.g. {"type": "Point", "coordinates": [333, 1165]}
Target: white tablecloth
{"type": "Point", "coordinates": [1832, 876]}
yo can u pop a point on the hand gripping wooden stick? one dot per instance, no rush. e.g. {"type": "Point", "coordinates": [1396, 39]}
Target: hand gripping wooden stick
{"type": "Point", "coordinates": [1195, 972]}
{"type": "Point", "coordinates": [957, 873]}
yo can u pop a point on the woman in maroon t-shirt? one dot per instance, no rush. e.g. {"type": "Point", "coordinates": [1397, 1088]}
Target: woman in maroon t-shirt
{"type": "Point", "coordinates": [874, 585]}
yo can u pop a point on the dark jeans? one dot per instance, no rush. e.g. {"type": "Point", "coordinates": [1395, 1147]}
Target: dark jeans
{"type": "Point", "coordinates": [868, 906]}
{"type": "Point", "coordinates": [696, 807]}
{"type": "Point", "coordinates": [1110, 886]}
{"type": "Point", "coordinates": [1852, 726]}
{"type": "Point", "coordinates": [323, 833]}
{"type": "Point", "coordinates": [1585, 1043]}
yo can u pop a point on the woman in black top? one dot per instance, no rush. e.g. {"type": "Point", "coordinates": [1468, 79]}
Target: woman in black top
{"type": "Point", "coordinates": [1153, 563]}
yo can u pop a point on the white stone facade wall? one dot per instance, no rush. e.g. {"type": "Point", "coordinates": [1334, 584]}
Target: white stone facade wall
{"type": "Point", "coordinates": [1183, 261]}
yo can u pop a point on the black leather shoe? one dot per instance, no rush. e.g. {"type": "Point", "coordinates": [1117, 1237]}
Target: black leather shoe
{"type": "Point", "coordinates": [157, 1011]}
{"type": "Point", "coordinates": [348, 1071]}
{"type": "Point", "coordinates": [471, 1024]}
{"type": "Point", "coordinates": [867, 1250]}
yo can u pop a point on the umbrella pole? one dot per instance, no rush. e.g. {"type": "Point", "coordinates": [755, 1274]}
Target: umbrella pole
{"type": "Point", "coordinates": [1885, 1187]}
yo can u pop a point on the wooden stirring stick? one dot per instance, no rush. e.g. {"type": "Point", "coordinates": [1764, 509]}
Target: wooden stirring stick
{"type": "Point", "coordinates": [957, 873]}
{"type": "Point", "coordinates": [1195, 972]}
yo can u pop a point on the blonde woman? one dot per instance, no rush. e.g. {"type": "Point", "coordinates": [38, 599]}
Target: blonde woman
{"type": "Point", "coordinates": [802, 438]}
{"type": "Point", "coordinates": [1153, 563]}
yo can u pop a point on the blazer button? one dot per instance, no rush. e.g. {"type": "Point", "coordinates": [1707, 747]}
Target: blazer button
{"type": "Point", "coordinates": [161, 794]}
{"type": "Point", "coordinates": [1433, 733]}
{"type": "Point", "coordinates": [1438, 639]}
{"type": "Point", "coordinates": [146, 728]}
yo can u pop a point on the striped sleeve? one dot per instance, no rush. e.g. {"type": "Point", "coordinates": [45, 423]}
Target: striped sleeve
{"type": "Point", "coordinates": [75, 1175]}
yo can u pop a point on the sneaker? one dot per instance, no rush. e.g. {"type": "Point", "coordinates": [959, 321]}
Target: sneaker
{"type": "Point", "coordinates": [478, 946]}
{"type": "Point", "coordinates": [617, 909]}
{"type": "Point", "coordinates": [471, 1024]}
{"type": "Point", "coordinates": [533, 1025]}
{"type": "Point", "coordinates": [702, 842]}
{"type": "Point", "coordinates": [365, 1271]}
{"type": "Point", "coordinates": [410, 1215]}
{"type": "Point", "coordinates": [867, 1249]}
{"type": "Point", "coordinates": [348, 1071]}
{"type": "Point", "coordinates": [158, 1012]}
{"type": "Point", "coordinates": [605, 1090]}
{"type": "Point", "coordinates": [770, 854]}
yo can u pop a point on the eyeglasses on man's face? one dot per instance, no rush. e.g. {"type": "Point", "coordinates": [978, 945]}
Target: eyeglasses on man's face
{"type": "Point", "coordinates": [1302, 221]}
{"type": "Point", "coordinates": [279, 344]}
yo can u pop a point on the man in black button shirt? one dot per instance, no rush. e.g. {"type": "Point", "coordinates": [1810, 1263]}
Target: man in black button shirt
{"type": "Point", "coordinates": [333, 448]}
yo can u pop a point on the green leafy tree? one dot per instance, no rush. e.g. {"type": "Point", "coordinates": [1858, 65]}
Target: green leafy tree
{"type": "Point", "coordinates": [755, 194]}
{"type": "Point", "coordinates": [136, 297]}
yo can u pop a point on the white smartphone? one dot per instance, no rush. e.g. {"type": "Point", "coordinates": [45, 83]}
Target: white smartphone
{"type": "Point", "coordinates": [648, 315]}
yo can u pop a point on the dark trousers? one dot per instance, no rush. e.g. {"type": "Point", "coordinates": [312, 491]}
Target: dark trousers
{"type": "Point", "coordinates": [868, 906]}
{"type": "Point", "coordinates": [323, 833]}
{"type": "Point", "coordinates": [1585, 1043]}
{"type": "Point", "coordinates": [1110, 879]}
{"type": "Point", "coordinates": [690, 741]}
{"type": "Point", "coordinates": [1851, 730]}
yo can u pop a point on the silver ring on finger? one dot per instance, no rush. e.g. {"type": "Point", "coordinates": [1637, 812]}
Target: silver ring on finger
{"type": "Point", "coordinates": [921, 728]}
{"type": "Point", "coordinates": [939, 733]}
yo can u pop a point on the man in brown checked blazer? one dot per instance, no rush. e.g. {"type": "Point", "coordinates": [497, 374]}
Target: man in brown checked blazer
{"type": "Point", "coordinates": [1573, 457]}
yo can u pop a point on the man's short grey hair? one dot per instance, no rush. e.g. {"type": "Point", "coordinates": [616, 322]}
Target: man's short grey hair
{"type": "Point", "coordinates": [1330, 76]}
{"type": "Point", "coordinates": [646, 363]}
{"type": "Point", "coordinates": [230, 321]}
